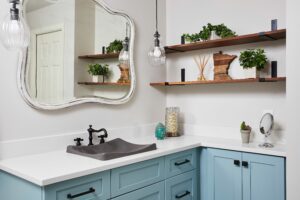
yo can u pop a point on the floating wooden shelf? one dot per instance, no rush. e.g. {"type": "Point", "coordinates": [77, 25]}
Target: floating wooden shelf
{"type": "Point", "coordinates": [104, 84]}
{"type": "Point", "coordinates": [250, 80]}
{"type": "Point", "coordinates": [100, 56]}
{"type": "Point", "coordinates": [243, 39]}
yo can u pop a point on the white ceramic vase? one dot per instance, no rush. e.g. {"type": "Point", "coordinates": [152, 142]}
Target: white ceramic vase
{"type": "Point", "coordinates": [251, 73]}
{"type": "Point", "coordinates": [245, 136]}
{"type": "Point", "coordinates": [214, 36]}
{"type": "Point", "coordinates": [95, 79]}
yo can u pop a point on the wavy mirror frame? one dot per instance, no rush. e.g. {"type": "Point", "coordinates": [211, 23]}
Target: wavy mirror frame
{"type": "Point", "coordinates": [22, 69]}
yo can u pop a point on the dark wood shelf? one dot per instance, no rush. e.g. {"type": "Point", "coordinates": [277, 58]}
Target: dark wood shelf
{"type": "Point", "coordinates": [243, 39]}
{"type": "Point", "coordinates": [104, 84]}
{"type": "Point", "coordinates": [250, 80]}
{"type": "Point", "coordinates": [100, 56]}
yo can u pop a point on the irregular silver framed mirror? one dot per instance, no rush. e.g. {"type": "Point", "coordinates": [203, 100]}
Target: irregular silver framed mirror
{"type": "Point", "coordinates": [80, 51]}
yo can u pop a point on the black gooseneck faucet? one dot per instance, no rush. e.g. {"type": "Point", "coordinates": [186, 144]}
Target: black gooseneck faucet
{"type": "Point", "coordinates": [91, 131]}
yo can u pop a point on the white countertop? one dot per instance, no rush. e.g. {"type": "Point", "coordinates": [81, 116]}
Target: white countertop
{"type": "Point", "coordinates": [53, 167]}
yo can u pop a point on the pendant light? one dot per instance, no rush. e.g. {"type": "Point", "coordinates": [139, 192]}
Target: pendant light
{"type": "Point", "coordinates": [14, 30]}
{"type": "Point", "coordinates": [157, 55]}
{"type": "Point", "coordinates": [124, 54]}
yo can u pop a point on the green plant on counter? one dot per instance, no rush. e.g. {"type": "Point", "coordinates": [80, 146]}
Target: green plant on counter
{"type": "Point", "coordinates": [115, 46]}
{"type": "Point", "coordinates": [99, 70]}
{"type": "Point", "coordinates": [223, 31]}
{"type": "Point", "coordinates": [253, 58]}
{"type": "Point", "coordinates": [245, 127]}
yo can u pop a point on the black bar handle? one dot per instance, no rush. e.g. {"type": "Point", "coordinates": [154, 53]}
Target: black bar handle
{"type": "Point", "coordinates": [70, 196]}
{"type": "Point", "coordinates": [245, 164]}
{"type": "Point", "coordinates": [182, 163]}
{"type": "Point", "coordinates": [237, 162]}
{"type": "Point", "coordinates": [182, 195]}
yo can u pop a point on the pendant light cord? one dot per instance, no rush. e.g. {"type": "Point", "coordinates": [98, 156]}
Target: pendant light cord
{"type": "Point", "coordinates": [156, 16]}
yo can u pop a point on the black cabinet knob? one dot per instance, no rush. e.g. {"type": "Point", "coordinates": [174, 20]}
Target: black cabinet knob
{"type": "Point", "coordinates": [237, 162]}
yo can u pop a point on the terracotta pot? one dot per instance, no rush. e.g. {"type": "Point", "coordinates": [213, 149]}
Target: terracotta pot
{"type": "Point", "coordinates": [245, 136]}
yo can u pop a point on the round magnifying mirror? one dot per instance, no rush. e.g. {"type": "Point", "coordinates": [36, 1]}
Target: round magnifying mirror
{"type": "Point", "coordinates": [265, 127]}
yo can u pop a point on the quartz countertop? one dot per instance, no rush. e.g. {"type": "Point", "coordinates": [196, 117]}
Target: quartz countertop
{"type": "Point", "coordinates": [53, 167]}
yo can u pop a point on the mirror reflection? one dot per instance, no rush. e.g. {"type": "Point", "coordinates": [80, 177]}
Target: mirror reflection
{"type": "Point", "coordinates": [78, 50]}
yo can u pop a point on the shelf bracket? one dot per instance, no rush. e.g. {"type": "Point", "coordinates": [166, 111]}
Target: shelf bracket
{"type": "Point", "coordinates": [263, 35]}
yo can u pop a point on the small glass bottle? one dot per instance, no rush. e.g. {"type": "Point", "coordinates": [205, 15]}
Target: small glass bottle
{"type": "Point", "coordinates": [172, 121]}
{"type": "Point", "coordinates": [160, 131]}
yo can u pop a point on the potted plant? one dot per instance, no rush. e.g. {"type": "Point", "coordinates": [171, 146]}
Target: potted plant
{"type": "Point", "coordinates": [189, 38]}
{"type": "Point", "coordinates": [98, 72]}
{"type": "Point", "coordinates": [115, 47]}
{"type": "Point", "coordinates": [253, 59]}
{"type": "Point", "coordinates": [245, 132]}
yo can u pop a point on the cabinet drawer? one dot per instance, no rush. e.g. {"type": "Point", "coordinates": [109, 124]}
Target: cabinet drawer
{"type": "Point", "coordinates": [153, 192]}
{"type": "Point", "coordinates": [180, 162]}
{"type": "Point", "coordinates": [135, 176]}
{"type": "Point", "coordinates": [96, 186]}
{"type": "Point", "coordinates": [182, 187]}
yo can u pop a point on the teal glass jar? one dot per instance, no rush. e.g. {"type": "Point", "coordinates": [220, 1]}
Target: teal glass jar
{"type": "Point", "coordinates": [160, 131]}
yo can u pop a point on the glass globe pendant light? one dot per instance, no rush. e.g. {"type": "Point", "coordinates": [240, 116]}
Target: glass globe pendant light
{"type": "Point", "coordinates": [14, 30]}
{"type": "Point", "coordinates": [124, 54]}
{"type": "Point", "coordinates": [157, 55]}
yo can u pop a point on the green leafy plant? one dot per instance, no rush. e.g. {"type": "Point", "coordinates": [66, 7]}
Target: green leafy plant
{"type": "Point", "coordinates": [245, 127]}
{"type": "Point", "coordinates": [192, 37]}
{"type": "Point", "coordinates": [115, 46]}
{"type": "Point", "coordinates": [253, 58]}
{"type": "Point", "coordinates": [99, 70]}
{"type": "Point", "coordinates": [223, 31]}
{"type": "Point", "coordinates": [205, 33]}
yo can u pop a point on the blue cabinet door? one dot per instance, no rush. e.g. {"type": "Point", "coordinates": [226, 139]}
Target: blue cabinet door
{"type": "Point", "coordinates": [132, 177]}
{"type": "Point", "coordinates": [224, 175]}
{"type": "Point", "coordinates": [263, 177]}
{"type": "Point", "coordinates": [153, 192]}
{"type": "Point", "coordinates": [182, 187]}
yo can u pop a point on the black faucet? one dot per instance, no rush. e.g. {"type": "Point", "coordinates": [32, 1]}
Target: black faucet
{"type": "Point", "coordinates": [91, 131]}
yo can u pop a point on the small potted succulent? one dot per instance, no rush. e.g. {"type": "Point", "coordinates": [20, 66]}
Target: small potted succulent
{"type": "Point", "coordinates": [245, 132]}
{"type": "Point", "coordinates": [99, 72]}
{"type": "Point", "coordinates": [253, 59]}
{"type": "Point", "coordinates": [115, 47]}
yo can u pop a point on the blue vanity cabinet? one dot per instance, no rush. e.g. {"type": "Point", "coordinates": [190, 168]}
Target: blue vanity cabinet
{"type": "Point", "coordinates": [180, 162]}
{"type": "Point", "coordinates": [132, 177]}
{"type": "Point", "coordinates": [241, 176]}
{"type": "Point", "coordinates": [92, 187]}
{"type": "Point", "coordinates": [224, 177]}
{"type": "Point", "coordinates": [152, 192]}
{"type": "Point", "coordinates": [182, 187]}
{"type": "Point", "coordinates": [263, 177]}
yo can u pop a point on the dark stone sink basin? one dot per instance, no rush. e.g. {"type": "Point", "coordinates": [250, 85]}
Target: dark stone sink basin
{"type": "Point", "coordinates": [110, 150]}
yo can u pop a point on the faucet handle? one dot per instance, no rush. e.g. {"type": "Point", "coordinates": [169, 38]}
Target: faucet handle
{"type": "Point", "coordinates": [78, 141]}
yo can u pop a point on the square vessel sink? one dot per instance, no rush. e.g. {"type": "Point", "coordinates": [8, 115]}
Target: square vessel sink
{"type": "Point", "coordinates": [110, 150]}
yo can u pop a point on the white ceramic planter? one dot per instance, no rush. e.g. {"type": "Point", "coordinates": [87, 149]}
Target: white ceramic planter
{"type": "Point", "coordinates": [251, 73]}
{"type": "Point", "coordinates": [214, 36]}
{"type": "Point", "coordinates": [95, 79]}
{"type": "Point", "coordinates": [245, 136]}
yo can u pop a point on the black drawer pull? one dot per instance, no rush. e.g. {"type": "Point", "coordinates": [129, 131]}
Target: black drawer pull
{"type": "Point", "coordinates": [183, 195]}
{"type": "Point", "coordinates": [237, 162]}
{"type": "Point", "coordinates": [182, 163]}
{"type": "Point", "coordinates": [91, 190]}
{"type": "Point", "coordinates": [245, 164]}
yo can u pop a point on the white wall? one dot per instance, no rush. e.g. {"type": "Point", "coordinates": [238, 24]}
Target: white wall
{"type": "Point", "coordinates": [18, 120]}
{"type": "Point", "coordinates": [218, 110]}
{"type": "Point", "coordinates": [293, 99]}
